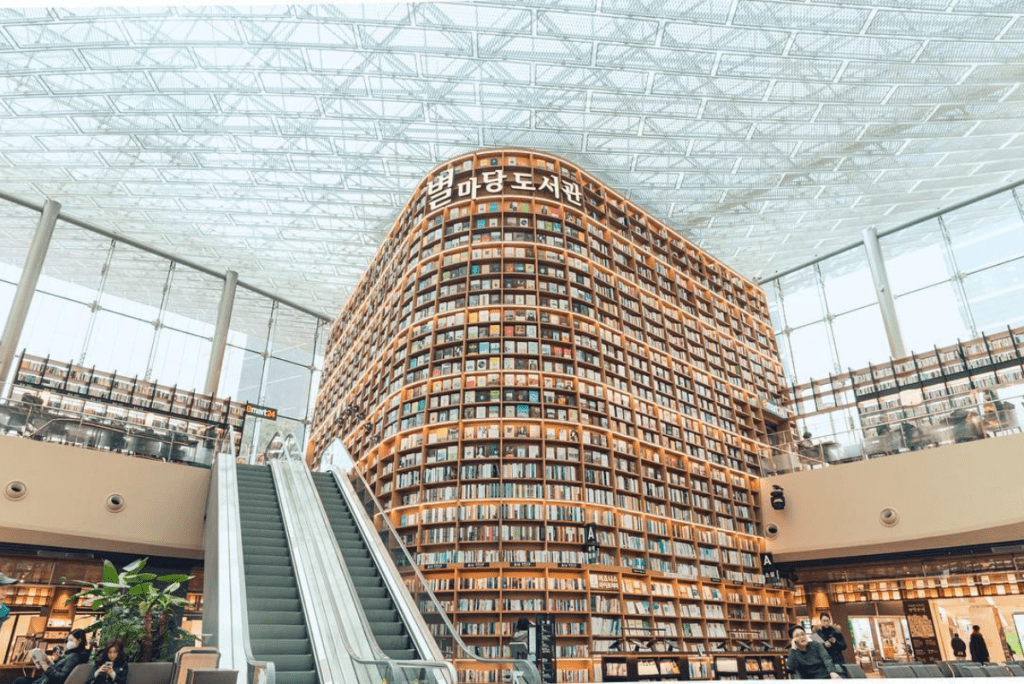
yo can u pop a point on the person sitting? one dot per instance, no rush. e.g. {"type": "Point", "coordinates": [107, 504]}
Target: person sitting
{"type": "Point", "coordinates": [55, 673]}
{"type": "Point", "coordinates": [808, 659]}
{"type": "Point", "coordinates": [111, 665]}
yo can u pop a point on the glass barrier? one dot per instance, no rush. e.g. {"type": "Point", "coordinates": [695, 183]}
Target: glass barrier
{"type": "Point", "coordinates": [984, 419]}
{"type": "Point", "coordinates": [434, 614]}
{"type": "Point", "coordinates": [30, 418]}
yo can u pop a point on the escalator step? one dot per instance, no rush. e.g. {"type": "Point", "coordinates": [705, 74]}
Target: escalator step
{"type": "Point", "coordinates": [257, 592]}
{"type": "Point", "coordinates": [393, 642]}
{"type": "Point", "coordinates": [259, 570]}
{"type": "Point", "coordinates": [298, 677]}
{"type": "Point", "coordinates": [258, 604]}
{"type": "Point", "coordinates": [281, 646]}
{"type": "Point", "coordinates": [261, 580]}
{"type": "Point", "coordinates": [267, 625]}
{"type": "Point", "coordinates": [375, 616]}
{"type": "Point", "coordinates": [290, 662]}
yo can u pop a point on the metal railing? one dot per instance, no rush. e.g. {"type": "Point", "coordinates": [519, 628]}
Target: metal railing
{"type": "Point", "coordinates": [332, 596]}
{"type": "Point", "coordinates": [53, 423]}
{"type": "Point", "coordinates": [983, 419]}
{"type": "Point", "coordinates": [224, 552]}
{"type": "Point", "coordinates": [520, 671]}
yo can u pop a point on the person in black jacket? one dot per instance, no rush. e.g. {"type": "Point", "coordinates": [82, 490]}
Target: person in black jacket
{"type": "Point", "coordinates": [112, 665]}
{"type": "Point", "coordinates": [979, 649]}
{"type": "Point", "coordinates": [832, 639]}
{"type": "Point", "coordinates": [959, 647]}
{"type": "Point", "coordinates": [74, 655]}
{"type": "Point", "coordinates": [809, 659]}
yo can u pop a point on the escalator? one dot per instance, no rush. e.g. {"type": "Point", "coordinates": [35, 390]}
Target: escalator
{"type": "Point", "coordinates": [387, 627]}
{"type": "Point", "coordinates": [277, 624]}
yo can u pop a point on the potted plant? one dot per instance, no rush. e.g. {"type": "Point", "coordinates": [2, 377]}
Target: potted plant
{"type": "Point", "coordinates": [139, 607]}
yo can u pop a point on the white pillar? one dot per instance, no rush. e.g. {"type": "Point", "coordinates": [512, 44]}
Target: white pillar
{"type": "Point", "coordinates": [26, 288]}
{"type": "Point", "coordinates": [886, 303]}
{"type": "Point", "coordinates": [220, 333]}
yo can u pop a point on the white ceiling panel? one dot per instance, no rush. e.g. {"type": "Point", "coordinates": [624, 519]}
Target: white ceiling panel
{"type": "Point", "coordinates": [282, 141]}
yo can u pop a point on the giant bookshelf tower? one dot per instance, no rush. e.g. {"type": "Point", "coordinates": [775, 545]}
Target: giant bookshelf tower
{"type": "Point", "coordinates": [531, 360]}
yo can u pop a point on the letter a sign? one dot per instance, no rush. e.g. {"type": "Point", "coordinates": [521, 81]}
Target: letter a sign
{"type": "Point", "coordinates": [768, 566]}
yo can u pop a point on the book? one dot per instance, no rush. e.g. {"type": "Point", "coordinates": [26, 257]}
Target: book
{"type": "Point", "coordinates": [39, 658]}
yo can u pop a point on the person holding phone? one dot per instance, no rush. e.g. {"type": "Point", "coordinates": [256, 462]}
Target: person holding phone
{"type": "Point", "coordinates": [111, 665]}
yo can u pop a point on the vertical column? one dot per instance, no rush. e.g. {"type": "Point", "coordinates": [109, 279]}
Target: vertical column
{"type": "Point", "coordinates": [220, 333]}
{"type": "Point", "coordinates": [886, 304]}
{"type": "Point", "coordinates": [26, 288]}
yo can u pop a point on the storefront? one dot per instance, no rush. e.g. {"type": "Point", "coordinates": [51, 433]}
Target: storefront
{"type": "Point", "coordinates": [907, 609]}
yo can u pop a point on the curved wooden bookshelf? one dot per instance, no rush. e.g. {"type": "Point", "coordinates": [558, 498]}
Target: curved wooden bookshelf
{"type": "Point", "coordinates": [529, 358]}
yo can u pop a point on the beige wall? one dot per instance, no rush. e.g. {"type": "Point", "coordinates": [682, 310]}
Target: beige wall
{"type": "Point", "coordinates": [958, 495]}
{"type": "Point", "coordinates": [67, 490]}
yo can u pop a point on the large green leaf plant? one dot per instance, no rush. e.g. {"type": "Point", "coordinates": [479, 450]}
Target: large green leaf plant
{"type": "Point", "coordinates": [139, 607]}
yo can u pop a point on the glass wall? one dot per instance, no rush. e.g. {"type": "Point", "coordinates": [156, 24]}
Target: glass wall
{"type": "Point", "coordinates": [116, 308]}
{"type": "Point", "coordinates": [955, 277]}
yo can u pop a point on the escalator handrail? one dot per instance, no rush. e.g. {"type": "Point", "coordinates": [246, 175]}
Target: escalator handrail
{"type": "Point", "coordinates": [419, 632]}
{"type": "Point", "coordinates": [263, 671]}
{"type": "Point", "coordinates": [380, 659]}
{"type": "Point", "coordinates": [530, 670]}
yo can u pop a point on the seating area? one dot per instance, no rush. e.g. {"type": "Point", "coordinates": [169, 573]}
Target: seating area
{"type": "Point", "coordinates": [948, 668]}
{"type": "Point", "coordinates": [196, 665]}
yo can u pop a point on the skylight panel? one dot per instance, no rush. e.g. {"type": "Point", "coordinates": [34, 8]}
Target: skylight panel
{"type": "Point", "coordinates": [586, 122]}
{"type": "Point", "coordinates": [45, 61]}
{"type": "Point", "coordinates": [518, 73]}
{"type": "Point", "coordinates": [596, 27]}
{"type": "Point", "coordinates": [371, 63]}
{"type": "Point", "coordinates": [499, 47]}
{"type": "Point", "coordinates": [255, 58]}
{"type": "Point", "coordinates": [701, 11]}
{"type": "Point", "coordinates": [833, 46]}
{"type": "Point", "coordinates": [116, 81]}
{"type": "Point", "coordinates": [715, 87]}
{"type": "Point", "coordinates": [543, 98]}
{"type": "Point", "coordinates": [11, 86]}
{"type": "Point", "coordinates": [291, 32]}
{"type": "Point", "coordinates": [417, 40]}
{"type": "Point", "coordinates": [176, 102]}
{"type": "Point", "coordinates": [485, 116]}
{"type": "Point", "coordinates": [183, 30]}
{"type": "Point", "coordinates": [787, 15]}
{"type": "Point", "coordinates": [623, 103]}
{"type": "Point", "coordinates": [693, 36]}
{"type": "Point", "coordinates": [473, 16]}
{"type": "Point", "coordinates": [209, 81]}
{"type": "Point", "coordinates": [659, 59]}
{"type": "Point", "coordinates": [937, 24]}
{"type": "Point", "coordinates": [60, 34]}
{"type": "Point", "coordinates": [972, 51]}
{"type": "Point", "coordinates": [789, 68]}
{"type": "Point", "coordinates": [58, 105]}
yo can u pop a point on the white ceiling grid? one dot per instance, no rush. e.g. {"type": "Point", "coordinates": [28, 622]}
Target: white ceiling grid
{"type": "Point", "coordinates": [282, 141]}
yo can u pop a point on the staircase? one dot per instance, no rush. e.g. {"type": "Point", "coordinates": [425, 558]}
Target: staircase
{"type": "Point", "coordinates": [277, 625]}
{"type": "Point", "coordinates": [386, 626]}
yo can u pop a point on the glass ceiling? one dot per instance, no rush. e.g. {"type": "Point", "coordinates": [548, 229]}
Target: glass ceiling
{"type": "Point", "coordinates": [282, 141]}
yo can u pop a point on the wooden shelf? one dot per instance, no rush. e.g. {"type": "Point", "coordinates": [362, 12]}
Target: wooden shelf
{"type": "Point", "coordinates": [531, 355]}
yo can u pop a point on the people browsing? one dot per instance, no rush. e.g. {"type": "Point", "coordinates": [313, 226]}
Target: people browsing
{"type": "Point", "coordinates": [959, 647]}
{"type": "Point", "coordinates": [808, 659]}
{"type": "Point", "coordinates": [979, 649]}
{"type": "Point", "coordinates": [74, 655]}
{"type": "Point", "coordinates": [111, 665]}
{"type": "Point", "coordinates": [831, 638]}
